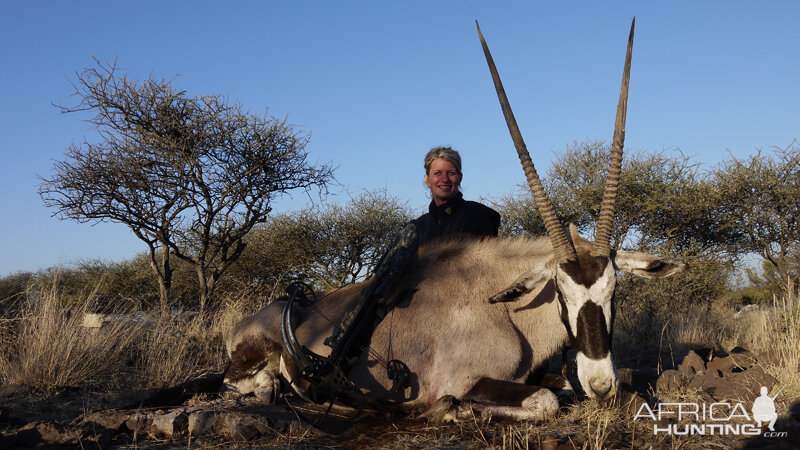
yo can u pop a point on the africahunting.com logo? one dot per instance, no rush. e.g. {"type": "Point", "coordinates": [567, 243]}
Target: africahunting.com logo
{"type": "Point", "coordinates": [720, 419]}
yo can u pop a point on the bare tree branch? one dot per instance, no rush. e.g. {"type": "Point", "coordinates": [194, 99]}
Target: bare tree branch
{"type": "Point", "coordinates": [190, 176]}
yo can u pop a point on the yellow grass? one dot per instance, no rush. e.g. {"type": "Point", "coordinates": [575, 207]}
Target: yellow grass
{"type": "Point", "coordinates": [46, 346]}
{"type": "Point", "coordinates": [175, 350]}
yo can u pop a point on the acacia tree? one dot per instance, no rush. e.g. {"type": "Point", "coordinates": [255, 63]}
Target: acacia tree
{"type": "Point", "coordinates": [190, 176]}
{"type": "Point", "coordinates": [760, 197]}
{"type": "Point", "coordinates": [662, 201]}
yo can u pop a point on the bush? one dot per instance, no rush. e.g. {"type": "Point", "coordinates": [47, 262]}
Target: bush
{"type": "Point", "coordinates": [328, 246]}
{"type": "Point", "coordinates": [645, 306]}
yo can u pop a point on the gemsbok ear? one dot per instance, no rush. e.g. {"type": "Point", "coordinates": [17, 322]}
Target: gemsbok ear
{"type": "Point", "coordinates": [522, 285]}
{"type": "Point", "coordinates": [646, 265]}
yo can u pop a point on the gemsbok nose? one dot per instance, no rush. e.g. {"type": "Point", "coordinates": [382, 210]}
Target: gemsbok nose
{"type": "Point", "coordinates": [601, 387]}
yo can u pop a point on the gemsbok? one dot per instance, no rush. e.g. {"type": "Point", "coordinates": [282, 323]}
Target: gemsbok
{"type": "Point", "coordinates": [471, 319]}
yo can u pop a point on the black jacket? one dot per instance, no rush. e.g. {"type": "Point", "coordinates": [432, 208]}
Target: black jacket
{"type": "Point", "coordinates": [457, 216]}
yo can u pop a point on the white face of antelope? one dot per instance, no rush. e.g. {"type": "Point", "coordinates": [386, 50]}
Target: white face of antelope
{"type": "Point", "coordinates": [585, 294]}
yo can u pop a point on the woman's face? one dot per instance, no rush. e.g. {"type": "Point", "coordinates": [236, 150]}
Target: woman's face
{"type": "Point", "coordinates": [443, 180]}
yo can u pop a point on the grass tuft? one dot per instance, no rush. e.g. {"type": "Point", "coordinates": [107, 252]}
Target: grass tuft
{"type": "Point", "coordinates": [48, 348]}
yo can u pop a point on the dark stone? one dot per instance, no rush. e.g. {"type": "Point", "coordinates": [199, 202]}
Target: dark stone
{"type": "Point", "coordinates": [742, 358]}
{"type": "Point", "coordinates": [201, 422]}
{"type": "Point", "coordinates": [751, 381]}
{"type": "Point", "coordinates": [170, 425]}
{"type": "Point", "coordinates": [718, 388]}
{"type": "Point", "coordinates": [37, 433]}
{"type": "Point", "coordinates": [721, 366]}
{"type": "Point", "coordinates": [139, 423]}
{"type": "Point", "coordinates": [240, 427]}
{"type": "Point", "coordinates": [109, 419]}
{"type": "Point", "coordinates": [670, 380]}
{"type": "Point", "coordinates": [692, 363]}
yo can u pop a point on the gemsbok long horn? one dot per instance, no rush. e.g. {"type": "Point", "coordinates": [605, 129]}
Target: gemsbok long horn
{"type": "Point", "coordinates": [605, 221]}
{"type": "Point", "coordinates": [562, 248]}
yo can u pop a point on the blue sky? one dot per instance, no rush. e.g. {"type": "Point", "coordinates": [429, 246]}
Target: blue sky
{"type": "Point", "coordinates": [378, 83]}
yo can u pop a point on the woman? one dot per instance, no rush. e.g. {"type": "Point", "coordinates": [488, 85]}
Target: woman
{"type": "Point", "coordinates": [448, 213]}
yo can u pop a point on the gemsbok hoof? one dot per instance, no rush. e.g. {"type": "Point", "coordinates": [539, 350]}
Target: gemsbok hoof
{"type": "Point", "coordinates": [447, 409]}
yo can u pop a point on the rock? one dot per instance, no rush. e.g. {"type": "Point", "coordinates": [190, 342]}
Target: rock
{"type": "Point", "coordinates": [742, 358]}
{"type": "Point", "coordinates": [720, 366]}
{"type": "Point", "coordinates": [169, 425]}
{"type": "Point", "coordinates": [670, 380]}
{"type": "Point", "coordinates": [52, 434]}
{"type": "Point", "coordinates": [692, 363]}
{"type": "Point", "coordinates": [240, 427]}
{"type": "Point", "coordinates": [110, 419]}
{"type": "Point", "coordinates": [35, 433]}
{"type": "Point", "coordinates": [139, 423]}
{"type": "Point", "coordinates": [200, 423]}
{"type": "Point", "coordinates": [718, 388]}
{"type": "Point", "coordinates": [751, 380]}
{"type": "Point", "coordinates": [231, 426]}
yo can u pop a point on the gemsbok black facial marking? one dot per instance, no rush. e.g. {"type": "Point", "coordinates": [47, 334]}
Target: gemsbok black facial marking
{"type": "Point", "coordinates": [587, 270]}
{"type": "Point", "coordinates": [592, 338]}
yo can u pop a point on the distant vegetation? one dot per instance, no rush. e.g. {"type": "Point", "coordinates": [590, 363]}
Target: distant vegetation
{"type": "Point", "coordinates": [666, 205]}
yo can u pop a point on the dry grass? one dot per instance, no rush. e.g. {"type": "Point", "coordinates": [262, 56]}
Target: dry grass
{"type": "Point", "coordinates": [230, 312]}
{"type": "Point", "coordinates": [173, 351]}
{"type": "Point", "coordinates": [46, 346]}
{"type": "Point", "coordinates": [782, 338]}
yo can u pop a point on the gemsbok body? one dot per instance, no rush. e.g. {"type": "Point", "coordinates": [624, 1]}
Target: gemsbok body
{"type": "Point", "coordinates": [472, 319]}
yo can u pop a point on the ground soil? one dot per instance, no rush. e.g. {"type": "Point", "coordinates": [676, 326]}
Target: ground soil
{"type": "Point", "coordinates": [69, 419]}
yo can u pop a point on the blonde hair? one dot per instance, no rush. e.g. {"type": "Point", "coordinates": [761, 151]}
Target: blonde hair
{"type": "Point", "coordinates": [446, 153]}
